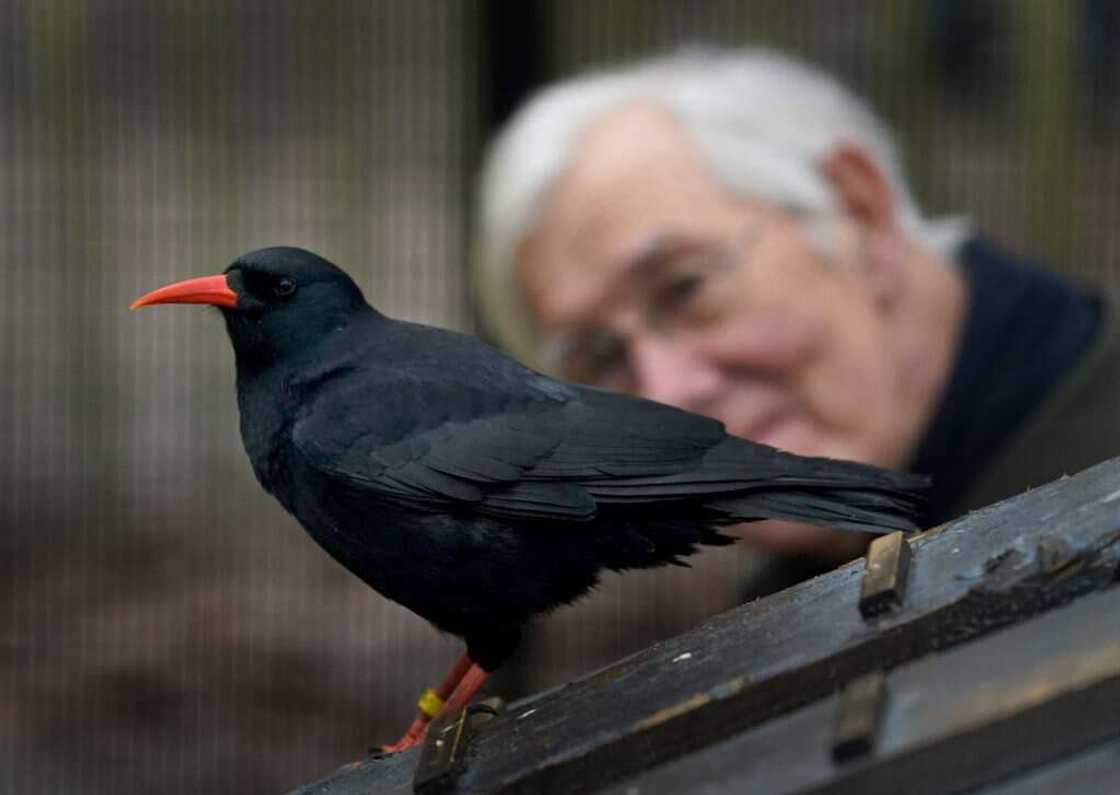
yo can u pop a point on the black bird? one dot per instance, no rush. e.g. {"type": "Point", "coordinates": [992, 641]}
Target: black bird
{"type": "Point", "coordinates": [473, 490]}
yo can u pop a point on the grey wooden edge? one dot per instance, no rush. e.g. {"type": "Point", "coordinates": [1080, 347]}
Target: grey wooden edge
{"type": "Point", "coordinates": [1092, 771]}
{"type": "Point", "coordinates": [391, 775]}
{"type": "Point", "coordinates": [994, 567]}
{"type": "Point", "coordinates": [954, 721]}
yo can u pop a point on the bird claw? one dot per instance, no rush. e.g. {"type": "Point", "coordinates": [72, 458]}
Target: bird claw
{"type": "Point", "coordinates": [409, 740]}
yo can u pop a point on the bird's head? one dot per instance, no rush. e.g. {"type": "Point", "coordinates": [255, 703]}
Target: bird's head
{"type": "Point", "coordinates": [277, 302]}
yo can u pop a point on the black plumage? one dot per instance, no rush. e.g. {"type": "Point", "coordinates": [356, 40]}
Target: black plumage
{"type": "Point", "coordinates": [477, 492]}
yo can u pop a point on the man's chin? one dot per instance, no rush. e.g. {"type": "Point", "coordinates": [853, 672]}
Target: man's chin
{"type": "Point", "coordinates": [791, 434]}
{"type": "Point", "coordinates": [802, 437]}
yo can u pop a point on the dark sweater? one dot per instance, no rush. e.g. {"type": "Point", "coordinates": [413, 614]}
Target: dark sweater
{"type": "Point", "coordinates": [1025, 331]}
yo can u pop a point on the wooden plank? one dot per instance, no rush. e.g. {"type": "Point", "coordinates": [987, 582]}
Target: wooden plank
{"type": "Point", "coordinates": [987, 570]}
{"type": "Point", "coordinates": [1094, 771]}
{"type": "Point", "coordinates": [389, 775]}
{"type": "Point", "coordinates": [954, 721]}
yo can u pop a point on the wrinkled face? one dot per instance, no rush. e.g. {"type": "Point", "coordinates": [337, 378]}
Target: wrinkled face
{"type": "Point", "coordinates": [647, 276]}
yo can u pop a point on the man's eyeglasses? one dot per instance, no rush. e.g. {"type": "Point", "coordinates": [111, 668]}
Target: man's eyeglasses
{"type": "Point", "coordinates": [680, 288]}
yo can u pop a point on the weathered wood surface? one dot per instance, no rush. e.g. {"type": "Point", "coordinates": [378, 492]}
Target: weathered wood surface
{"type": "Point", "coordinates": [992, 568]}
{"type": "Point", "coordinates": [1093, 771]}
{"type": "Point", "coordinates": [389, 775]}
{"type": "Point", "coordinates": [953, 721]}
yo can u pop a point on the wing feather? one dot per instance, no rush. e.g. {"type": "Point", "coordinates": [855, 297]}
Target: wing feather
{"type": "Point", "coordinates": [514, 444]}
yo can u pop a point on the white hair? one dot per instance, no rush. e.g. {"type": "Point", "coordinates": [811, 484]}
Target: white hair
{"type": "Point", "coordinates": [762, 122]}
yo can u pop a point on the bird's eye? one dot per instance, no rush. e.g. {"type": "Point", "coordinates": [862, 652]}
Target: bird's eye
{"type": "Point", "coordinates": [284, 287]}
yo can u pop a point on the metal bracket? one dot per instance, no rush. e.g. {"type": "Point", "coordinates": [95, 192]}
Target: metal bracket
{"type": "Point", "coordinates": [445, 747]}
{"type": "Point", "coordinates": [884, 577]}
{"type": "Point", "coordinates": [857, 717]}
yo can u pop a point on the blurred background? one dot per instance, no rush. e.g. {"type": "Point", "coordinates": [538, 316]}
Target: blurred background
{"type": "Point", "coordinates": [164, 626]}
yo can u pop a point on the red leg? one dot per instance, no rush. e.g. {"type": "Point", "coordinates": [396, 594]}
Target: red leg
{"type": "Point", "coordinates": [419, 725]}
{"type": "Point", "coordinates": [455, 676]}
{"type": "Point", "coordinates": [472, 681]}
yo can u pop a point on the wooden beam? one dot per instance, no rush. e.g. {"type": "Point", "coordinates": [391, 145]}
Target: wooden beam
{"type": "Point", "coordinates": [954, 721]}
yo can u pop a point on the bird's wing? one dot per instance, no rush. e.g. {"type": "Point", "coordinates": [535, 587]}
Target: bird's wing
{"type": "Point", "coordinates": [462, 427]}
{"type": "Point", "coordinates": [531, 449]}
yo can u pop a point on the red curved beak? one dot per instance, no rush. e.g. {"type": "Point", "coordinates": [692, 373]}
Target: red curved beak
{"type": "Point", "coordinates": [212, 290]}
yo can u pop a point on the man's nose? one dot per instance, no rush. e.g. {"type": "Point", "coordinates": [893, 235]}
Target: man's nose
{"type": "Point", "coordinates": [670, 371]}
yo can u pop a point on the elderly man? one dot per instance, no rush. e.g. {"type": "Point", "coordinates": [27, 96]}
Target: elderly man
{"type": "Point", "coordinates": [732, 233]}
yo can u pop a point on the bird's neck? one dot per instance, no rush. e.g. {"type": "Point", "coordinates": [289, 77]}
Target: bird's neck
{"type": "Point", "coordinates": [272, 389]}
{"type": "Point", "coordinates": [271, 395]}
{"type": "Point", "coordinates": [273, 340]}
{"type": "Point", "coordinates": [267, 412]}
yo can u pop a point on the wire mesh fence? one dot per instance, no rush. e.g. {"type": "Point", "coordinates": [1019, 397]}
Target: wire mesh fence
{"type": "Point", "coordinates": [166, 627]}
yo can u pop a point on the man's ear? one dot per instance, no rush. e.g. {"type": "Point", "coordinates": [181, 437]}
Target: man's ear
{"type": "Point", "coordinates": [865, 197]}
{"type": "Point", "coordinates": [860, 185]}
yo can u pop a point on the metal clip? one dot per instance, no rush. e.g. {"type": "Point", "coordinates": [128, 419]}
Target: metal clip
{"type": "Point", "coordinates": [857, 717]}
{"type": "Point", "coordinates": [445, 747]}
{"type": "Point", "coordinates": [884, 577]}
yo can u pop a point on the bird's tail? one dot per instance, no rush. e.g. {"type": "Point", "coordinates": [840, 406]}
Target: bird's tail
{"type": "Point", "coordinates": [859, 510]}
{"type": "Point", "coordinates": [740, 481]}
{"type": "Point", "coordinates": [844, 495]}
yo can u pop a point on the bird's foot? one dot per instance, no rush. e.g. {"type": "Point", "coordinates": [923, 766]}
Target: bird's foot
{"type": "Point", "coordinates": [465, 679]}
{"type": "Point", "coordinates": [403, 744]}
{"type": "Point", "coordinates": [414, 736]}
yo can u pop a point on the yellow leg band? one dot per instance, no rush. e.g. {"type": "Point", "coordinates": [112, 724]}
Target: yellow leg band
{"type": "Point", "coordinates": [430, 703]}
